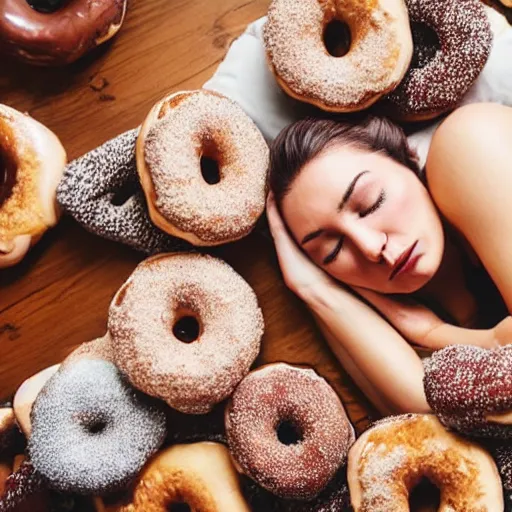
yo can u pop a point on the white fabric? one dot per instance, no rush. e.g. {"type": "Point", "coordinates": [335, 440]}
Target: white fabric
{"type": "Point", "coordinates": [245, 77]}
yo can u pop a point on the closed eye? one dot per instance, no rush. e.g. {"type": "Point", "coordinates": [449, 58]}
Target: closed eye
{"type": "Point", "coordinates": [375, 206]}
{"type": "Point", "coordinates": [332, 256]}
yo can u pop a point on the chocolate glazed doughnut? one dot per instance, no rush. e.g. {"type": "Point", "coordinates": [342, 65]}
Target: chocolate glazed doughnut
{"type": "Point", "coordinates": [57, 32]}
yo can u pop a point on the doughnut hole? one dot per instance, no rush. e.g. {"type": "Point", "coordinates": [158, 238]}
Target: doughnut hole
{"type": "Point", "coordinates": [92, 423]}
{"type": "Point", "coordinates": [187, 326]}
{"type": "Point", "coordinates": [46, 6]}
{"type": "Point", "coordinates": [425, 43]}
{"type": "Point", "coordinates": [8, 168]}
{"type": "Point", "coordinates": [178, 507]}
{"type": "Point", "coordinates": [124, 193]}
{"type": "Point", "coordinates": [424, 493]}
{"type": "Point", "coordinates": [337, 38]}
{"type": "Point", "coordinates": [209, 161]}
{"type": "Point", "coordinates": [288, 432]}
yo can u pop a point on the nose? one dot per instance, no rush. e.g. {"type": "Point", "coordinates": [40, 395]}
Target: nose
{"type": "Point", "coordinates": [370, 242]}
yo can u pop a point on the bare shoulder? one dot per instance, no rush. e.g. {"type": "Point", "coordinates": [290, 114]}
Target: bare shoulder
{"type": "Point", "coordinates": [469, 172]}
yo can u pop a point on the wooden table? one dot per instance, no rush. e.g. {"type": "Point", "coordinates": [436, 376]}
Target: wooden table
{"type": "Point", "coordinates": [58, 297]}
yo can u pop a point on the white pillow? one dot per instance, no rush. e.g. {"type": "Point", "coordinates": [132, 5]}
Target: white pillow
{"type": "Point", "coordinates": [245, 77]}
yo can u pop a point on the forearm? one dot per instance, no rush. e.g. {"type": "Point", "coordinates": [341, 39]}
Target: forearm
{"type": "Point", "coordinates": [372, 351]}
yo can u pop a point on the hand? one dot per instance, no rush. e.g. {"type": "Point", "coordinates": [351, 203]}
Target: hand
{"type": "Point", "coordinates": [300, 274]}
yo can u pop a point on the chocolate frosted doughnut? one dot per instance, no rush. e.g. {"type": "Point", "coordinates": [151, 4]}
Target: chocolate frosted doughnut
{"type": "Point", "coordinates": [287, 430]}
{"type": "Point", "coordinates": [91, 431]}
{"type": "Point", "coordinates": [185, 328]}
{"type": "Point", "coordinates": [203, 165]}
{"type": "Point", "coordinates": [452, 41]}
{"type": "Point", "coordinates": [298, 36]}
{"type": "Point", "coordinates": [470, 389]}
{"type": "Point", "coordinates": [56, 32]}
{"type": "Point", "coordinates": [101, 190]}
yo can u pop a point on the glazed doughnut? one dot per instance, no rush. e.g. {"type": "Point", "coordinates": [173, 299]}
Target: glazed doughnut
{"type": "Point", "coordinates": [202, 164]}
{"type": "Point", "coordinates": [91, 432]}
{"type": "Point", "coordinates": [287, 430]}
{"type": "Point", "coordinates": [453, 40]}
{"type": "Point", "coordinates": [32, 161]}
{"type": "Point", "coordinates": [470, 389]}
{"type": "Point", "coordinates": [57, 32]}
{"type": "Point", "coordinates": [296, 36]}
{"type": "Point", "coordinates": [198, 476]}
{"type": "Point", "coordinates": [185, 328]}
{"type": "Point", "coordinates": [393, 456]}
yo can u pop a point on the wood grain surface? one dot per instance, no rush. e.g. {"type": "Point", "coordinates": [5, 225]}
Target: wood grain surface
{"type": "Point", "coordinates": [58, 297]}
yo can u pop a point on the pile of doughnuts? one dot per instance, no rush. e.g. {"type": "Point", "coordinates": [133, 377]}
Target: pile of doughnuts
{"type": "Point", "coordinates": [413, 60]}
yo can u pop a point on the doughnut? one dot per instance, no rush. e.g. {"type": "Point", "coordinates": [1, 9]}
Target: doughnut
{"type": "Point", "coordinates": [100, 348]}
{"type": "Point", "coordinates": [101, 190]}
{"type": "Point", "coordinates": [91, 431]}
{"type": "Point", "coordinates": [202, 163]}
{"type": "Point", "coordinates": [26, 396]}
{"type": "Point", "coordinates": [470, 389]}
{"type": "Point", "coordinates": [452, 42]}
{"type": "Point", "coordinates": [287, 430]}
{"type": "Point", "coordinates": [300, 37]}
{"type": "Point", "coordinates": [393, 456]}
{"type": "Point", "coordinates": [32, 161]}
{"type": "Point", "coordinates": [185, 328]}
{"type": "Point", "coordinates": [57, 32]}
{"type": "Point", "coordinates": [186, 477]}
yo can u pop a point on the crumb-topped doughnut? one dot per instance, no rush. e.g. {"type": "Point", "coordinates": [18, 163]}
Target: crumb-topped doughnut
{"type": "Point", "coordinates": [203, 164]}
{"type": "Point", "coordinates": [452, 42]}
{"type": "Point", "coordinates": [185, 328]}
{"type": "Point", "coordinates": [470, 389]}
{"type": "Point", "coordinates": [56, 32]}
{"type": "Point", "coordinates": [32, 161]}
{"type": "Point", "coordinates": [91, 431]}
{"type": "Point", "coordinates": [390, 458]}
{"type": "Point", "coordinates": [298, 35]}
{"type": "Point", "coordinates": [287, 430]}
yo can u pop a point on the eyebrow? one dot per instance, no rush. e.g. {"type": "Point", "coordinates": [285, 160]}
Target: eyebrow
{"type": "Point", "coordinates": [343, 202]}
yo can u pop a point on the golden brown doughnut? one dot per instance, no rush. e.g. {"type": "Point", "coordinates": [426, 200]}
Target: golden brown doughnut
{"type": "Point", "coordinates": [393, 456]}
{"type": "Point", "coordinates": [202, 163]}
{"type": "Point", "coordinates": [32, 161]}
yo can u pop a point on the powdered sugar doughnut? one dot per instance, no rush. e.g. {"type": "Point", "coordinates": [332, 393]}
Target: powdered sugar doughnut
{"type": "Point", "coordinates": [470, 389]}
{"type": "Point", "coordinates": [203, 165]}
{"type": "Point", "coordinates": [296, 39]}
{"type": "Point", "coordinates": [287, 430]}
{"type": "Point", "coordinates": [185, 328]}
{"type": "Point", "coordinates": [91, 432]}
{"type": "Point", "coordinates": [452, 41]}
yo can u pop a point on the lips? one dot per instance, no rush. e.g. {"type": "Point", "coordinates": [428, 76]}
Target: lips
{"type": "Point", "coordinates": [402, 261]}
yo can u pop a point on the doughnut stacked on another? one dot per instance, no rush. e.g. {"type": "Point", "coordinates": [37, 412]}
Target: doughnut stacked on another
{"type": "Point", "coordinates": [202, 163]}
{"type": "Point", "coordinates": [395, 454]}
{"type": "Point", "coordinates": [287, 430]}
{"type": "Point", "coordinates": [470, 389]}
{"type": "Point", "coordinates": [32, 161]}
{"type": "Point", "coordinates": [296, 37]}
{"type": "Point", "coordinates": [57, 32]}
{"type": "Point", "coordinates": [185, 328]}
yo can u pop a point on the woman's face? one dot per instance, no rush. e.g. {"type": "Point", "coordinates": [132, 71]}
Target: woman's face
{"type": "Point", "coordinates": [366, 220]}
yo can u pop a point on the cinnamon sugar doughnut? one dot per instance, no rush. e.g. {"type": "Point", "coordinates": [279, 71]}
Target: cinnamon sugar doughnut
{"type": "Point", "coordinates": [377, 59]}
{"type": "Point", "coordinates": [392, 457]}
{"type": "Point", "coordinates": [470, 389]}
{"type": "Point", "coordinates": [453, 40]}
{"type": "Point", "coordinates": [287, 430]}
{"type": "Point", "coordinates": [202, 164]}
{"type": "Point", "coordinates": [32, 161]}
{"type": "Point", "coordinates": [185, 328]}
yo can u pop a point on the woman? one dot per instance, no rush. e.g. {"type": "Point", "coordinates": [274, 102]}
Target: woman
{"type": "Point", "coordinates": [350, 212]}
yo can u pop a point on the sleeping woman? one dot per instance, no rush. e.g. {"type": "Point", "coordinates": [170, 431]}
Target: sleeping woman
{"type": "Point", "coordinates": [388, 256]}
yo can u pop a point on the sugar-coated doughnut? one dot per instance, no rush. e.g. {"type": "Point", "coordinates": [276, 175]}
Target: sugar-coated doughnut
{"type": "Point", "coordinates": [185, 328]}
{"type": "Point", "coordinates": [203, 164]}
{"type": "Point", "coordinates": [470, 389]}
{"type": "Point", "coordinates": [32, 161]}
{"type": "Point", "coordinates": [390, 458]}
{"type": "Point", "coordinates": [295, 37]}
{"type": "Point", "coordinates": [287, 430]}
{"type": "Point", "coordinates": [91, 431]}
{"type": "Point", "coordinates": [56, 32]}
{"type": "Point", "coordinates": [453, 40]}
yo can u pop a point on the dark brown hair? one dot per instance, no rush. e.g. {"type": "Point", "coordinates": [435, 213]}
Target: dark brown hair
{"type": "Point", "coordinates": [303, 140]}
